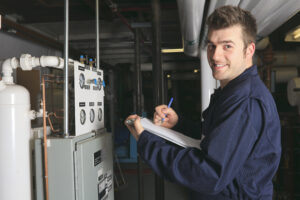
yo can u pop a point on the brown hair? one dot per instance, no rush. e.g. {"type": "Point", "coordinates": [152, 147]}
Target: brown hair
{"type": "Point", "coordinates": [227, 16]}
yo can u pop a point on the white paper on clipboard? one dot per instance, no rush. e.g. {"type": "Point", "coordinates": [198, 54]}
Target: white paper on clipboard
{"type": "Point", "coordinates": [170, 135]}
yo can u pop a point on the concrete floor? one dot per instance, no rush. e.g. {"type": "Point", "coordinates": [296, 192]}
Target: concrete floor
{"type": "Point", "coordinates": [129, 191]}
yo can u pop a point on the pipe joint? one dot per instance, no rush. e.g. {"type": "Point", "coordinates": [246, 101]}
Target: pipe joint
{"type": "Point", "coordinates": [27, 62]}
{"type": "Point", "coordinates": [7, 69]}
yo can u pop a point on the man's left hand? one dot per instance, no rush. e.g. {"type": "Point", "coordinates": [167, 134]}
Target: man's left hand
{"type": "Point", "coordinates": [136, 129]}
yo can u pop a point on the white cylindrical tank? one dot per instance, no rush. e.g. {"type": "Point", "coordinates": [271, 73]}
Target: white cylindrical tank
{"type": "Point", "coordinates": [15, 178]}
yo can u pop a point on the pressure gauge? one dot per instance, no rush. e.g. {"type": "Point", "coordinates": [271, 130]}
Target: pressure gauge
{"type": "Point", "coordinates": [92, 115]}
{"type": "Point", "coordinates": [99, 83]}
{"type": "Point", "coordinates": [99, 114]}
{"type": "Point", "coordinates": [82, 116]}
{"type": "Point", "coordinates": [81, 80]}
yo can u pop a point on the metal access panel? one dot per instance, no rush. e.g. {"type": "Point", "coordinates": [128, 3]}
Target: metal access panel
{"type": "Point", "coordinates": [79, 168]}
{"type": "Point", "coordinates": [88, 98]}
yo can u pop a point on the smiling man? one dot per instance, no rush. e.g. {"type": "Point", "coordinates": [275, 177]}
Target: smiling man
{"type": "Point", "coordinates": [241, 149]}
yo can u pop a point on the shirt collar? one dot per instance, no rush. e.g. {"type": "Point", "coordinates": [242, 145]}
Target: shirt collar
{"type": "Point", "coordinates": [248, 72]}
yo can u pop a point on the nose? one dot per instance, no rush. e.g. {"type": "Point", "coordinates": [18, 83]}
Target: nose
{"type": "Point", "coordinates": [217, 53]}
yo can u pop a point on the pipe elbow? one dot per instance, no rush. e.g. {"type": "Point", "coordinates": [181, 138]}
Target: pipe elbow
{"type": "Point", "coordinates": [10, 63]}
{"type": "Point", "coordinates": [7, 69]}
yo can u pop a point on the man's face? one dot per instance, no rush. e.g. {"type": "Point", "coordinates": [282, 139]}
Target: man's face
{"type": "Point", "coordinates": [227, 55]}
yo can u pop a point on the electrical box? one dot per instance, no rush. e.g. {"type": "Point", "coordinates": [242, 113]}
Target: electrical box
{"type": "Point", "coordinates": [79, 167]}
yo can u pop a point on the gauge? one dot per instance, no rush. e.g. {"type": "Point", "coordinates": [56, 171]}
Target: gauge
{"type": "Point", "coordinates": [82, 116]}
{"type": "Point", "coordinates": [81, 80]}
{"type": "Point", "coordinates": [99, 114]}
{"type": "Point", "coordinates": [99, 83]}
{"type": "Point", "coordinates": [92, 115]}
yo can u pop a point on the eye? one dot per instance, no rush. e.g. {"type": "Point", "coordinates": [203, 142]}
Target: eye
{"type": "Point", "coordinates": [211, 46]}
{"type": "Point", "coordinates": [227, 46]}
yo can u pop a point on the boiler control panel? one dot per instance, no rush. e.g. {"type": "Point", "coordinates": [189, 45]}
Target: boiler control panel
{"type": "Point", "coordinates": [88, 98]}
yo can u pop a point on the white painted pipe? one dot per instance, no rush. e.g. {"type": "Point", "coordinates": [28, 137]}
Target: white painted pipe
{"type": "Point", "coordinates": [7, 69]}
{"type": "Point", "coordinates": [208, 83]}
{"type": "Point", "coordinates": [52, 61]}
{"type": "Point", "coordinates": [27, 62]}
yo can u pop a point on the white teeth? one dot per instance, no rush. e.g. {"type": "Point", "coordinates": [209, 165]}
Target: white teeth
{"type": "Point", "coordinates": [219, 65]}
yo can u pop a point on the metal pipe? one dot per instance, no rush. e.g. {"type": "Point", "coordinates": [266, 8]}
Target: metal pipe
{"type": "Point", "coordinates": [156, 54]}
{"type": "Point", "coordinates": [66, 71]}
{"type": "Point", "coordinates": [45, 141]}
{"type": "Point", "coordinates": [97, 36]}
{"type": "Point", "coordinates": [138, 101]}
{"type": "Point", "coordinates": [158, 78]}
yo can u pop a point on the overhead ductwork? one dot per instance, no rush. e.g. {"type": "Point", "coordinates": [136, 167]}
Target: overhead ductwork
{"type": "Point", "coordinates": [190, 14]}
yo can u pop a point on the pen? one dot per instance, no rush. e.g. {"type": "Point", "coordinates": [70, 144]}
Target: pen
{"type": "Point", "coordinates": [169, 105]}
{"type": "Point", "coordinates": [130, 122]}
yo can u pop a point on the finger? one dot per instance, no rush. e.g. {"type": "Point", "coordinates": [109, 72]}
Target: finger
{"type": "Point", "coordinates": [156, 117]}
{"type": "Point", "coordinates": [138, 126]}
{"type": "Point", "coordinates": [130, 117]}
{"type": "Point", "coordinates": [160, 110]}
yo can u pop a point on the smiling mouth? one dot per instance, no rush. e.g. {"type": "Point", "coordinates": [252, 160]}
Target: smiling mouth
{"type": "Point", "coordinates": [219, 66]}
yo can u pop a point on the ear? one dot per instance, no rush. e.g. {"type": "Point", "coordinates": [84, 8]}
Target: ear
{"type": "Point", "coordinates": [250, 50]}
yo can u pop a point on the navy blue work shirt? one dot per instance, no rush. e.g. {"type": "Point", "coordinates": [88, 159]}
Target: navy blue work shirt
{"type": "Point", "coordinates": [241, 149]}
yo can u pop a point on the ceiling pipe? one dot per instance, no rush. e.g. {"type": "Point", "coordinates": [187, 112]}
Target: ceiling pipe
{"type": "Point", "coordinates": [29, 34]}
{"type": "Point", "coordinates": [147, 8]}
{"type": "Point", "coordinates": [115, 10]}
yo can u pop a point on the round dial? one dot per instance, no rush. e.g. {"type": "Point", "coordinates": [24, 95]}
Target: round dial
{"type": "Point", "coordinates": [92, 115]}
{"type": "Point", "coordinates": [99, 83]}
{"type": "Point", "coordinates": [81, 80]}
{"type": "Point", "coordinates": [99, 114]}
{"type": "Point", "coordinates": [82, 116]}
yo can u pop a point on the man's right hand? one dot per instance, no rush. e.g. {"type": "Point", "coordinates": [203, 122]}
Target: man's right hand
{"type": "Point", "coordinates": [165, 116]}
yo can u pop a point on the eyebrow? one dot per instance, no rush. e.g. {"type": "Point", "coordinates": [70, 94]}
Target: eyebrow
{"type": "Point", "coordinates": [221, 42]}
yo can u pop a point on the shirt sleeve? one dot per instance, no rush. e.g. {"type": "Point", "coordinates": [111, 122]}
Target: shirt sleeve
{"type": "Point", "coordinates": [188, 127]}
{"type": "Point", "coordinates": [224, 150]}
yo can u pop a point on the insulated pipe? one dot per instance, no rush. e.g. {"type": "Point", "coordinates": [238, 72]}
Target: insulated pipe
{"type": "Point", "coordinates": [190, 15]}
{"type": "Point", "coordinates": [208, 83]}
{"type": "Point", "coordinates": [97, 36]}
{"type": "Point", "coordinates": [66, 71]}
